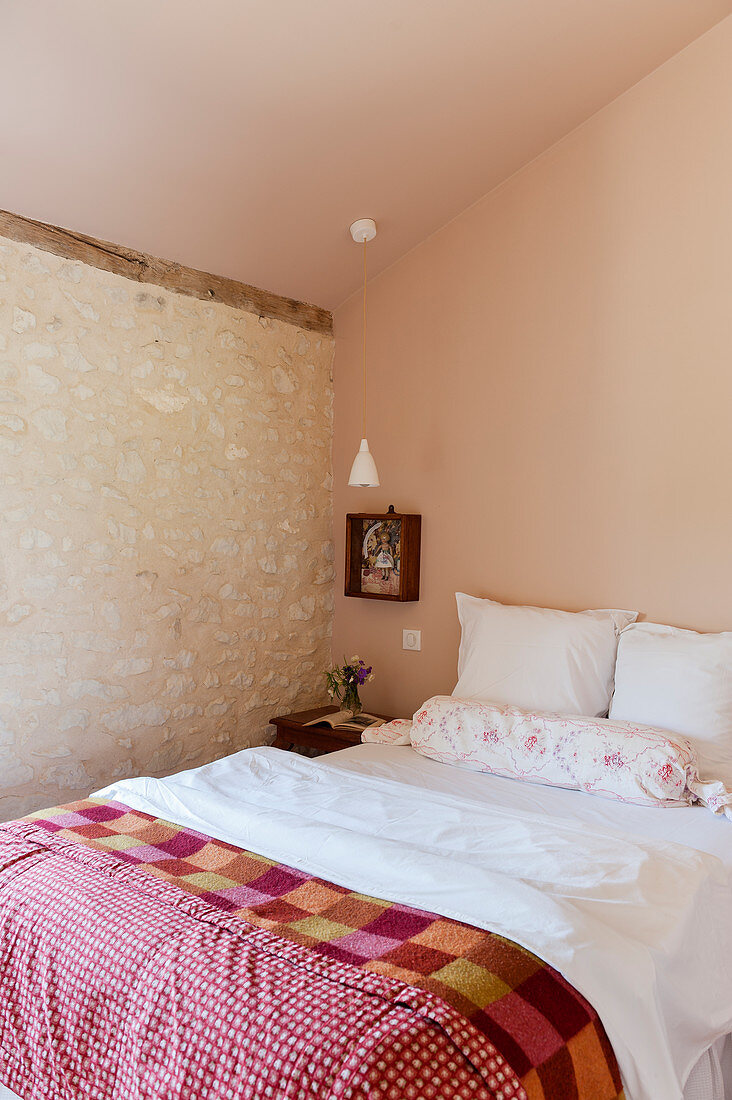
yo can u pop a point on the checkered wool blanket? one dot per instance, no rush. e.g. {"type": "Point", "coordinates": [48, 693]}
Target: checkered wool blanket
{"type": "Point", "coordinates": [142, 960]}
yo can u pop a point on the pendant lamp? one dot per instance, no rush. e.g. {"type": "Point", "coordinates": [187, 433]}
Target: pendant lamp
{"type": "Point", "coordinates": [364, 474]}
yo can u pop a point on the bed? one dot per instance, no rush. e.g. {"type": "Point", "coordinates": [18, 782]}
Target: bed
{"type": "Point", "coordinates": [523, 893]}
{"type": "Point", "coordinates": [384, 892]}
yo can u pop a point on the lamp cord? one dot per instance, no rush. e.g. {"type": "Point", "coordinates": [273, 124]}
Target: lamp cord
{"type": "Point", "coordinates": [363, 408]}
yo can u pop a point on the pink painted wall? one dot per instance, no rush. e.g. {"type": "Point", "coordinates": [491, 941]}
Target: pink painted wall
{"type": "Point", "coordinates": [550, 383]}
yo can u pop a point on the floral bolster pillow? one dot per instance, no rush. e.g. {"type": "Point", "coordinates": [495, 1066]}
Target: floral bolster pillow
{"type": "Point", "coordinates": [621, 760]}
{"type": "Point", "coordinates": [396, 732]}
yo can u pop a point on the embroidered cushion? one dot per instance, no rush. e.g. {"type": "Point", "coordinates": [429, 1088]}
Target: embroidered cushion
{"type": "Point", "coordinates": [396, 732]}
{"type": "Point", "coordinates": [621, 760]}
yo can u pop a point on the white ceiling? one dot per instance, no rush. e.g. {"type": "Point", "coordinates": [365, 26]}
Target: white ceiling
{"type": "Point", "coordinates": [243, 136]}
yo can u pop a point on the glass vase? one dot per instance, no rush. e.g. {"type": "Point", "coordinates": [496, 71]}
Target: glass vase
{"type": "Point", "coordinates": [350, 700]}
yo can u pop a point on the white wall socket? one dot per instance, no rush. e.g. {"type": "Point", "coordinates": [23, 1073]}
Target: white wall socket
{"type": "Point", "coordinates": [411, 639]}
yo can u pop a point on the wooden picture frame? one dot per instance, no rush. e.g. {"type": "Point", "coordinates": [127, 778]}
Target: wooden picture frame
{"type": "Point", "coordinates": [382, 555]}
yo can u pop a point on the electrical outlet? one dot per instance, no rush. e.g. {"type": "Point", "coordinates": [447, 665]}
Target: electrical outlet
{"type": "Point", "coordinates": [412, 639]}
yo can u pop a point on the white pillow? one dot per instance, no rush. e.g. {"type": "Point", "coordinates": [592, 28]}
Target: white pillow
{"type": "Point", "coordinates": [682, 681]}
{"type": "Point", "coordinates": [537, 659]}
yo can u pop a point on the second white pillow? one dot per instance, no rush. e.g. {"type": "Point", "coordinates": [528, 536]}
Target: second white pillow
{"type": "Point", "coordinates": [682, 681]}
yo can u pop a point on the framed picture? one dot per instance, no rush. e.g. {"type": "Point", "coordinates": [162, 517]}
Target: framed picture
{"type": "Point", "coordinates": [382, 555]}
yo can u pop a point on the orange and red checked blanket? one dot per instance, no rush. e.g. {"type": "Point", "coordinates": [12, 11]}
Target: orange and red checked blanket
{"type": "Point", "coordinates": [138, 955]}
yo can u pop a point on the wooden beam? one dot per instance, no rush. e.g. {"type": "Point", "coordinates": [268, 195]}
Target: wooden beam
{"type": "Point", "coordinates": [174, 277]}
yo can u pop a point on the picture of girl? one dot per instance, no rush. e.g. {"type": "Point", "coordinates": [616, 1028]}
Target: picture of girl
{"type": "Point", "coordinates": [384, 559]}
{"type": "Point", "coordinates": [380, 557]}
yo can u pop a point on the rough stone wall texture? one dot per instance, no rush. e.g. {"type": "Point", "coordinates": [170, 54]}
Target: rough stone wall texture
{"type": "Point", "coordinates": [166, 556]}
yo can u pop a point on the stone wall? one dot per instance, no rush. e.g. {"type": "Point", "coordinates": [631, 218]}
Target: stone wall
{"type": "Point", "coordinates": [165, 527]}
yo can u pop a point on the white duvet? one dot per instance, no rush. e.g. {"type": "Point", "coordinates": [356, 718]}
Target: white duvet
{"type": "Point", "coordinates": [642, 927]}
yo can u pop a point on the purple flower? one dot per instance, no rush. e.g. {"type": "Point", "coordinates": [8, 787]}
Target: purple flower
{"type": "Point", "coordinates": [348, 677]}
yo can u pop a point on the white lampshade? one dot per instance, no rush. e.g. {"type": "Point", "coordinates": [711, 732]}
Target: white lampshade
{"type": "Point", "coordinates": [363, 472]}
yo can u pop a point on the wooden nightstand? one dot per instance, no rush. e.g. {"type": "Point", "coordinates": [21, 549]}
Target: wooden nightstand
{"type": "Point", "coordinates": [292, 732]}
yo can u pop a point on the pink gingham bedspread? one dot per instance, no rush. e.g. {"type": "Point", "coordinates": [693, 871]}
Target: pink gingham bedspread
{"type": "Point", "coordinates": [116, 985]}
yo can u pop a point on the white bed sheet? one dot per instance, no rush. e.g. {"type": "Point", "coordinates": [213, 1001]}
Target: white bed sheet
{"type": "Point", "coordinates": [693, 826]}
{"type": "Point", "coordinates": [634, 922]}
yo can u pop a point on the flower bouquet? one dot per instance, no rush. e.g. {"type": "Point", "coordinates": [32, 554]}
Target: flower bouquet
{"type": "Point", "coordinates": [345, 680]}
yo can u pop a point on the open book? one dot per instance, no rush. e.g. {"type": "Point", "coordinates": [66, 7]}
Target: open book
{"type": "Point", "coordinates": [344, 720]}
